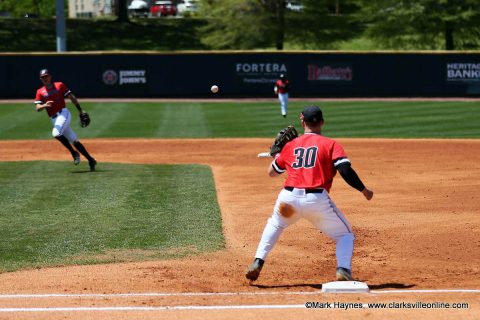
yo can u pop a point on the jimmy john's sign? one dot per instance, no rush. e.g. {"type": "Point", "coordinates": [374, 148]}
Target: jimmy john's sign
{"type": "Point", "coordinates": [124, 77]}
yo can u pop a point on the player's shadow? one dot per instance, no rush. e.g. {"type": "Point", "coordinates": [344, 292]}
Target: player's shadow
{"type": "Point", "coordinates": [261, 286]}
{"type": "Point", "coordinates": [88, 171]}
{"type": "Point", "coordinates": [390, 285]}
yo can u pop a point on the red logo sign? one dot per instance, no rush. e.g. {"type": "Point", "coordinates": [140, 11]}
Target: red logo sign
{"type": "Point", "coordinates": [329, 73]}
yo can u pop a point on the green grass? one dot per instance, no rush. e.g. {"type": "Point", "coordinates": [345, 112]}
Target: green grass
{"type": "Point", "coordinates": [54, 214]}
{"type": "Point", "coordinates": [96, 35]}
{"type": "Point", "coordinates": [410, 119]}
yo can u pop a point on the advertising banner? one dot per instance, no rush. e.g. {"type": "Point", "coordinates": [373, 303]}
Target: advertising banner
{"type": "Point", "coordinates": [246, 74]}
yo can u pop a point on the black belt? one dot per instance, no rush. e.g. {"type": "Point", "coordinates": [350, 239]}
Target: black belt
{"type": "Point", "coordinates": [56, 114]}
{"type": "Point", "coordinates": [306, 190]}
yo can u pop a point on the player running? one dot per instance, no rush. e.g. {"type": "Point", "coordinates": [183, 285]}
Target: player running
{"type": "Point", "coordinates": [311, 162]}
{"type": "Point", "coordinates": [51, 97]}
{"type": "Point", "coordinates": [281, 89]}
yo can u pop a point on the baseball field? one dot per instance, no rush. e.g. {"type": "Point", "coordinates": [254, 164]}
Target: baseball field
{"type": "Point", "coordinates": [168, 223]}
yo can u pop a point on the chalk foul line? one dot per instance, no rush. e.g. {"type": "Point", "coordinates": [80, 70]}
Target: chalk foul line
{"type": "Point", "coordinates": [186, 294]}
{"type": "Point", "coordinates": [199, 294]}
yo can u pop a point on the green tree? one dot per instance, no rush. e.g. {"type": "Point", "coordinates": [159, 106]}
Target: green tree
{"type": "Point", "coordinates": [41, 8]}
{"type": "Point", "coordinates": [236, 24]}
{"type": "Point", "coordinates": [422, 24]}
{"type": "Point", "coordinates": [254, 24]}
{"type": "Point", "coordinates": [324, 23]}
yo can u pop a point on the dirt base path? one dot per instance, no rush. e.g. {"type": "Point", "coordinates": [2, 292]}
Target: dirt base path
{"type": "Point", "coordinates": [421, 231]}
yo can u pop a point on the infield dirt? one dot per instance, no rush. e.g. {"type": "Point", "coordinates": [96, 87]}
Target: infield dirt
{"type": "Point", "coordinates": [420, 231]}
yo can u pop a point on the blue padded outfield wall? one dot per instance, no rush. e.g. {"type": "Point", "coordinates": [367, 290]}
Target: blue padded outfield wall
{"type": "Point", "coordinates": [246, 74]}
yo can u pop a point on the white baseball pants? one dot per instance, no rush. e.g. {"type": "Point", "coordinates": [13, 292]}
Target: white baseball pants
{"type": "Point", "coordinates": [283, 98]}
{"type": "Point", "coordinates": [61, 125]}
{"type": "Point", "coordinates": [317, 208]}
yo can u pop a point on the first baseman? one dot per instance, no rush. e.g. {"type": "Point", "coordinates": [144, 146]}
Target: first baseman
{"type": "Point", "coordinates": [51, 97]}
{"type": "Point", "coordinates": [311, 162]}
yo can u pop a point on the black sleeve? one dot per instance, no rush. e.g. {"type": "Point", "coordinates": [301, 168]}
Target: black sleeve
{"type": "Point", "coordinates": [350, 176]}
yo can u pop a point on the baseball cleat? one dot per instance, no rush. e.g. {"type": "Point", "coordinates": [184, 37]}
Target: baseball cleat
{"type": "Point", "coordinates": [254, 269]}
{"type": "Point", "coordinates": [92, 164]}
{"type": "Point", "coordinates": [76, 158]}
{"type": "Point", "coordinates": [344, 274]}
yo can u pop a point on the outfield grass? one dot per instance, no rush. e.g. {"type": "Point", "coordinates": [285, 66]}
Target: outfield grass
{"type": "Point", "coordinates": [403, 119]}
{"type": "Point", "coordinates": [54, 214]}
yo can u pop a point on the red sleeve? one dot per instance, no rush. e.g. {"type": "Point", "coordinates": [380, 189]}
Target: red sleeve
{"type": "Point", "coordinates": [279, 163]}
{"type": "Point", "coordinates": [38, 97]}
{"type": "Point", "coordinates": [63, 88]}
{"type": "Point", "coordinates": [338, 155]}
{"type": "Point", "coordinates": [280, 160]}
{"type": "Point", "coordinates": [338, 151]}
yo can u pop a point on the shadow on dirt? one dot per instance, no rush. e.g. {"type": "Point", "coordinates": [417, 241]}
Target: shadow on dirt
{"type": "Point", "coordinates": [390, 286]}
{"type": "Point", "coordinates": [319, 286]}
{"type": "Point", "coordinates": [315, 286]}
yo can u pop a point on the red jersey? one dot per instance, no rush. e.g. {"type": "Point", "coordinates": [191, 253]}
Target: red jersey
{"type": "Point", "coordinates": [282, 86]}
{"type": "Point", "coordinates": [310, 161]}
{"type": "Point", "coordinates": [56, 93]}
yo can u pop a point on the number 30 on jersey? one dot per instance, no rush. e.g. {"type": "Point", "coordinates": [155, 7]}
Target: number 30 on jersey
{"type": "Point", "coordinates": [305, 157]}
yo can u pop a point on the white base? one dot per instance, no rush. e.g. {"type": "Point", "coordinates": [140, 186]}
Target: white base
{"type": "Point", "coordinates": [345, 287]}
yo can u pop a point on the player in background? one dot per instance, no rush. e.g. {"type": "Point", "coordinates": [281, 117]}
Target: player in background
{"type": "Point", "coordinates": [281, 88]}
{"type": "Point", "coordinates": [311, 162]}
{"type": "Point", "coordinates": [51, 97]}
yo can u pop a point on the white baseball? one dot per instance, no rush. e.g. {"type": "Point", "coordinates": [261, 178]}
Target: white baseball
{"type": "Point", "coordinates": [214, 89]}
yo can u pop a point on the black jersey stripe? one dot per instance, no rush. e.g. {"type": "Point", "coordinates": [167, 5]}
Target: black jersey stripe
{"type": "Point", "coordinates": [339, 161]}
{"type": "Point", "coordinates": [277, 168]}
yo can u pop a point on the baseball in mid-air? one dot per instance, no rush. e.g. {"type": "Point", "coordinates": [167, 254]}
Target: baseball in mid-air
{"type": "Point", "coordinates": [214, 88]}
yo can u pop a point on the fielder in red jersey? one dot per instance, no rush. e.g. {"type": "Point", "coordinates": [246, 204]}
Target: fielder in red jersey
{"type": "Point", "coordinates": [310, 159]}
{"type": "Point", "coordinates": [311, 162]}
{"type": "Point", "coordinates": [51, 97]}
{"type": "Point", "coordinates": [55, 93]}
{"type": "Point", "coordinates": [281, 89]}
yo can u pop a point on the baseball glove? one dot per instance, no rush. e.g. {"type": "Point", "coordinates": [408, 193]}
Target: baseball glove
{"type": "Point", "coordinates": [84, 119]}
{"type": "Point", "coordinates": [285, 135]}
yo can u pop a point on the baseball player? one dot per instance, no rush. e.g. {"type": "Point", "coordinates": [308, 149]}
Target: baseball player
{"type": "Point", "coordinates": [281, 88]}
{"type": "Point", "coordinates": [311, 162]}
{"type": "Point", "coordinates": [51, 97]}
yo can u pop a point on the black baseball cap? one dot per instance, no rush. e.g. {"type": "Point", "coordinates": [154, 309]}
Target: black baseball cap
{"type": "Point", "coordinates": [312, 114]}
{"type": "Point", "coordinates": [44, 73]}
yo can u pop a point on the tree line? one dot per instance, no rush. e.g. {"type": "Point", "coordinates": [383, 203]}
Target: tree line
{"type": "Point", "coordinates": [319, 24]}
